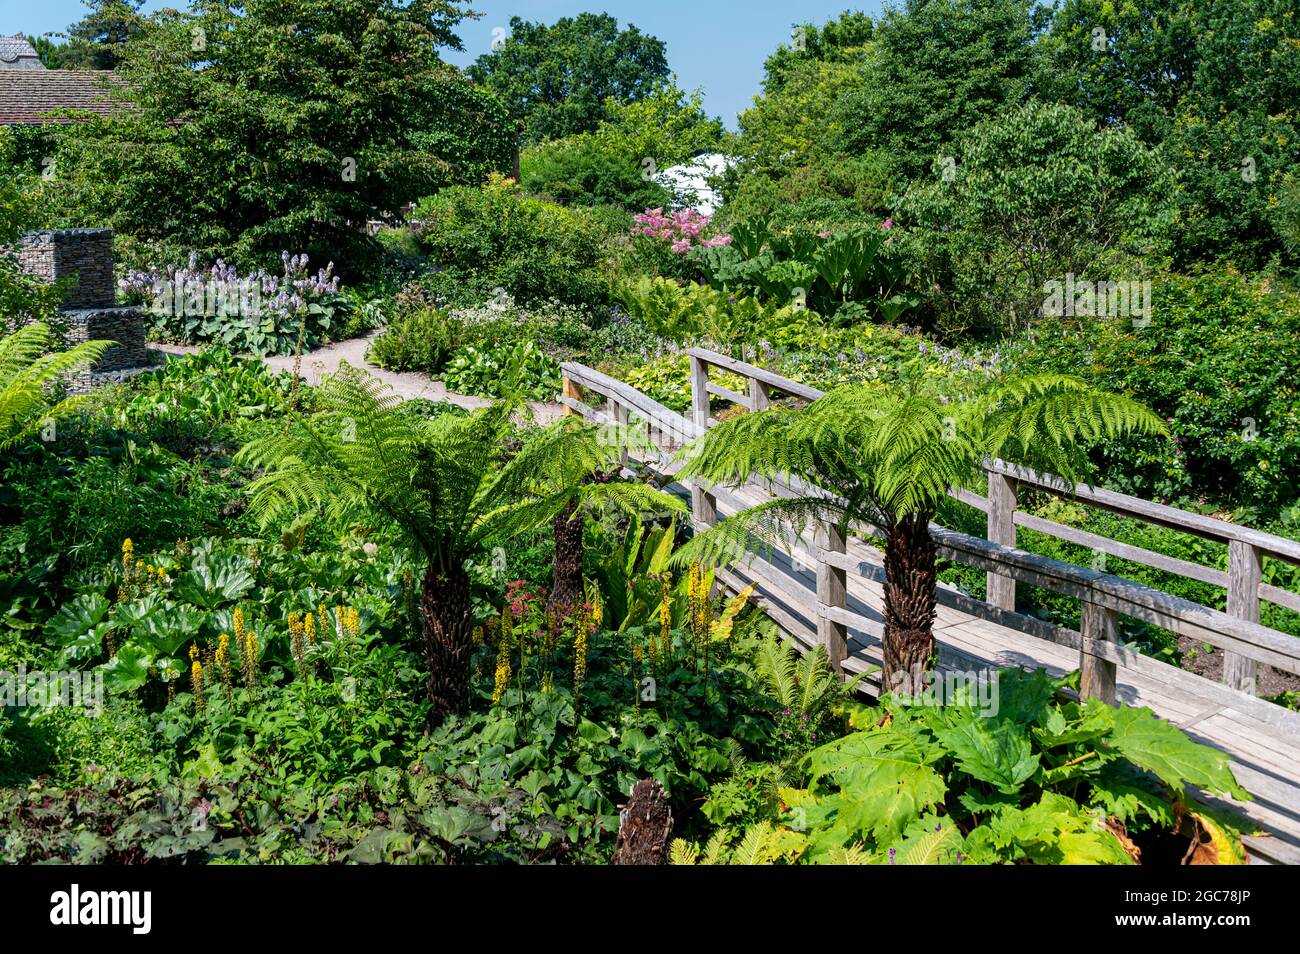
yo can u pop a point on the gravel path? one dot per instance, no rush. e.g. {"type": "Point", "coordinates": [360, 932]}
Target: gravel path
{"type": "Point", "coordinates": [407, 384]}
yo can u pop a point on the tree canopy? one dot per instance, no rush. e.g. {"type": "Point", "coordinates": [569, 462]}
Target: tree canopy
{"type": "Point", "coordinates": [555, 80]}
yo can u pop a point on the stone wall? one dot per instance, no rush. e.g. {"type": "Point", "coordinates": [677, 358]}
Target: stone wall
{"type": "Point", "coordinates": [85, 258]}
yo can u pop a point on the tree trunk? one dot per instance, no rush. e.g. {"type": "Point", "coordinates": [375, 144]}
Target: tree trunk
{"type": "Point", "coordinates": [447, 640]}
{"type": "Point", "coordinates": [645, 825]}
{"type": "Point", "coordinates": [566, 565]}
{"type": "Point", "coordinates": [909, 603]}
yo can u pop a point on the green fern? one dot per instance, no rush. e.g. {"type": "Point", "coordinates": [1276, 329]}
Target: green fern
{"type": "Point", "coordinates": [27, 373]}
{"type": "Point", "coordinates": [446, 484]}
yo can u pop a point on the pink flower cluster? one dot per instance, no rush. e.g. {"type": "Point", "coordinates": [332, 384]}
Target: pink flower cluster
{"type": "Point", "coordinates": [682, 229]}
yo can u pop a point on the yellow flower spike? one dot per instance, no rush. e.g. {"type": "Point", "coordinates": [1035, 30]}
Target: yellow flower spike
{"type": "Point", "coordinates": [309, 628]}
{"type": "Point", "coordinates": [239, 624]}
{"type": "Point", "coordinates": [196, 684]}
{"type": "Point", "coordinates": [503, 670]}
{"type": "Point", "coordinates": [194, 652]}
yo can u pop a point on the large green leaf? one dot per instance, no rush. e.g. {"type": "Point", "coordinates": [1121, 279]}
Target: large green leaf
{"type": "Point", "coordinates": [999, 753]}
{"type": "Point", "coordinates": [79, 627]}
{"type": "Point", "coordinates": [165, 632]}
{"type": "Point", "coordinates": [214, 581]}
{"type": "Point", "coordinates": [128, 670]}
{"type": "Point", "coordinates": [884, 776]}
{"type": "Point", "coordinates": [76, 618]}
{"type": "Point", "coordinates": [1153, 744]}
{"type": "Point", "coordinates": [1054, 830]}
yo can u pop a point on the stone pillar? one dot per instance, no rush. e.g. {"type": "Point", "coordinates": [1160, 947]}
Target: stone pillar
{"type": "Point", "coordinates": [84, 258]}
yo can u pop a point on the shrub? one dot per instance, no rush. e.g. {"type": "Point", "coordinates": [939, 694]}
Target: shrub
{"type": "Point", "coordinates": [496, 237]}
{"type": "Point", "coordinates": [1033, 195]}
{"type": "Point", "coordinates": [1220, 362]}
{"type": "Point", "coordinates": [423, 339]}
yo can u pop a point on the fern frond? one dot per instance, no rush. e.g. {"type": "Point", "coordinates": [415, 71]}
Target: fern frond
{"type": "Point", "coordinates": [682, 852]}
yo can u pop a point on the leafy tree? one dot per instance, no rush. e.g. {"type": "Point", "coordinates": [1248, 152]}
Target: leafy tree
{"type": "Point", "coordinates": [23, 298]}
{"type": "Point", "coordinates": [1034, 194]}
{"type": "Point", "coordinates": [789, 148]}
{"type": "Point", "coordinates": [1130, 63]}
{"type": "Point", "coordinates": [442, 483]}
{"type": "Point", "coordinates": [268, 125]}
{"type": "Point", "coordinates": [616, 164]}
{"type": "Point", "coordinates": [555, 80]}
{"type": "Point", "coordinates": [843, 39]}
{"type": "Point", "coordinates": [28, 370]}
{"type": "Point", "coordinates": [937, 67]}
{"type": "Point", "coordinates": [98, 40]}
{"type": "Point", "coordinates": [1216, 83]}
{"type": "Point", "coordinates": [888, 456]}
{"type": "Point", "coordinates": [53, 55]}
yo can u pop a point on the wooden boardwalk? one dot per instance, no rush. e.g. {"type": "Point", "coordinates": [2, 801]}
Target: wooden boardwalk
{"type": "Point", "coordinates": [829, 591]}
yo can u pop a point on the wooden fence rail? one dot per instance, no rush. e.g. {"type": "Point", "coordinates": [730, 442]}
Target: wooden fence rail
{"type": "Point", "coordinates": [1103, 597]}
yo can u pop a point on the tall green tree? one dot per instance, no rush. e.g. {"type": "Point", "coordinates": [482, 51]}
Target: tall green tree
{"type": "Point", "coordinates": [23, 298]}
{"type": "Point", "coordinates": [556, 79]}
{"type": "Point", "coordinates": [841, 40]}
{"type": "Point", "coordinates": [888, 457]}
{"type": "Point", "coordinates": [98, 40]}
{"type": "Point", "coordinates": [1215, 84]}
{"type": "Point", "coordinates": [937, 68]}
{"type": "Point", "coordinates": [264, 125]}
{"type": "Point", "coordinates": [445, 484]}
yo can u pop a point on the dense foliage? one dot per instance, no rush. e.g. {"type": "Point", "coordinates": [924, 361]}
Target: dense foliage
{"type": "Point", "coordinates": [556, 79]}
{"type": "Point", "coordinates": [305, 120]}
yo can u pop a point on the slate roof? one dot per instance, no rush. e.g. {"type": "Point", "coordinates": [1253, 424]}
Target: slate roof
{"type": "Point", "coordinates": [17, 54]}
{"type": "Point", "coordinates": [27, 96]}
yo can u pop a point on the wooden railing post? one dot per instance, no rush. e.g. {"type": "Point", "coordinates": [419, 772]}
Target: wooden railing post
{"type": "Point", "coordinates": [618, 411]}
{"type": "Point", "coordinates": [569, 388]}
{"type": "Point", "coordinates": [759, 395]}
{"type": "Point", "coordinates": [1245, 571]}
{"type": "Point", "coordinates": [832, 591]}
{"type": "Point", "coordinates": [703, 504]}
{"type": "Point", "coordinates": [1097, 674]}
{"type": "Point", "coordinates": [1001, 529]}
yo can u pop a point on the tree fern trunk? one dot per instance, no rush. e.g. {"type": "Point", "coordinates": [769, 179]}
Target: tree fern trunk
{"type": "Point", "coordinates": [448, 640]}
{"type": "Point", "coordinates": [909, 602]}
{"type": "Point", "coordinates": [566, 565]}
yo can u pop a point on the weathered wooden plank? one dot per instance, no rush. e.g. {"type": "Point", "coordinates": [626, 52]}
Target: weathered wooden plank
{"type": "Point", "coordinates": [1097, 678]}
{"type": "Point", "coordinates": [1194, 523]}
{"type": "Point", "coordinates": [1132, 599]}
{"type": "Point", "coordinates": [831, 592]}
{"type": "Point", "coordinates": [1244, 573]}
{"type": "Point", "coordinates": [703, 504]}
{"type": "Point", "coordinates": [752, 371]}
{"type": "Point", "coordinates": [1001, 587]}
{"type": "Point", "coordinates": [1125, 551]}
{"type": "Point", "coordinates": [569, 389]}
{"type": "Point", "coordinates": [679, 427]}
{"type": "Point", "coordinates": [621, 415]}
{"type": "Point", "coordinates": [760, 397]}
{"type": "Point", "coordinates": [735, 397]}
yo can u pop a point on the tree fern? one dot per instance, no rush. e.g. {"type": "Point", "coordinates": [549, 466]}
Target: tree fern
{"type": "Point", "coordinates": [886, 457]}
{"type": "Point", "coordinates": [28, 372]}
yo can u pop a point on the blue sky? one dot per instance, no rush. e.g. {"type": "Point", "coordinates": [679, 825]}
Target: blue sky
{"type": "Point", "coordinates": [717, 45]}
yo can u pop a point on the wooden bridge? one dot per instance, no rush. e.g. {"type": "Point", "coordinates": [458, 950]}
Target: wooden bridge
{"type": "Point", "coordinates": [826, 589]}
